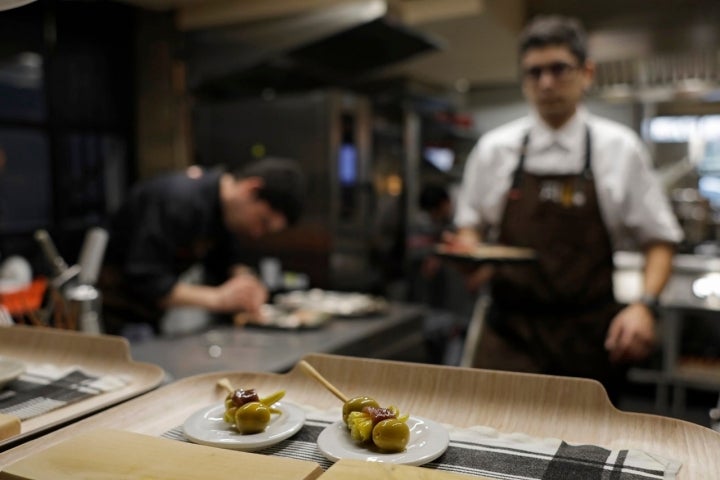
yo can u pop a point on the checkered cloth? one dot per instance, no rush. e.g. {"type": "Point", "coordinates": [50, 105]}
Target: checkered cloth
{"type": "Point", "coordinates": [44, 387]}
{"type": "Point", "coordinates": [486, 452]}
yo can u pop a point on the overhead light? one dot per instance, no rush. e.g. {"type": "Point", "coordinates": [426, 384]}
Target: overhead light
{"type": "Point", "coordinates": [693, 87]}
{"type": "Point", "coordinates": [708, 288]}
{"type": "Point", "coordinates": [8, 4]}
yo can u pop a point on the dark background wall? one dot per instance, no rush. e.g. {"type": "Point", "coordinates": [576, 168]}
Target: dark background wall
{"type": "Point", "coordinates": [66, 120]}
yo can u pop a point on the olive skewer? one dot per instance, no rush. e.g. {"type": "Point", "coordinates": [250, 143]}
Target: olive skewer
{"type": "Point", "coordinates": [310, 370]}
{"type": "Point", "coordinates": [225, 383]}
{"type": "Point", "coordinates": [246, 410]}
{"type": "Point", "coordinates": [365, 419]}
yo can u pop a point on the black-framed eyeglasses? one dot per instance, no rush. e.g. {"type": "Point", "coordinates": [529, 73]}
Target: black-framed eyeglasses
{"type": "Point", "coordinates": [557, 70]}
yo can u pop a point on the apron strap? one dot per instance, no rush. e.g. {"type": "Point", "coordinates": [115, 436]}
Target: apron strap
{"type": "Point", "coordinates": [587, 170]}
{"type": "Point", "coordinates": [517, 174]}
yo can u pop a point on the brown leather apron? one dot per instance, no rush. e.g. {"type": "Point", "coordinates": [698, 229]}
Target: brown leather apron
{"type": "Point", "coordinates": [553, 316]}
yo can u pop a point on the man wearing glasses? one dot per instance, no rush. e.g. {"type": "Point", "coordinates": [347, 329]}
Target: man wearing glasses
{"type": "Point", "coordinates": [573, 187]}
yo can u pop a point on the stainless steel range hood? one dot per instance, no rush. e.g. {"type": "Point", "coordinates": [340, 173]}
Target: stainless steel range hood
{"type": "Point", "coordinates": [336, 46]}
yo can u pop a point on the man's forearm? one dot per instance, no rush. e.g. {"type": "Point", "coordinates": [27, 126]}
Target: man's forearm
{"type": "Point", "coordinates": [658, 267]}
{"type": "Point", "coordinates": [190, 295]}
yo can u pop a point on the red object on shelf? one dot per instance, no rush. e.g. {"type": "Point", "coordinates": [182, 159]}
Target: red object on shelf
{"type": "Point", "coordinates": [19, 302]}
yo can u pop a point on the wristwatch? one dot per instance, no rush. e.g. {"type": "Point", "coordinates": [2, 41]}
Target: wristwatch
{"type": "Point", "coordinates": [652, 302]}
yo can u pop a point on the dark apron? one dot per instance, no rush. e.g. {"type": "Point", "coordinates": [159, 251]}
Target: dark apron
{"type": "Point", "coordinates": [552, 317]}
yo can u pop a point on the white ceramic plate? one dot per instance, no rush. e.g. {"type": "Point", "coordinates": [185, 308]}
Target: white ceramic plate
{"type": "Point", "coordinates": [207, 427]}
{"type": "Point", "coordinates": [10, 370]}
{"type": "Point", "coordinates": [428, 440]}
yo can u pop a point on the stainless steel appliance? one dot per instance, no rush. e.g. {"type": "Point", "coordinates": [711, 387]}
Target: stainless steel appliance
{"type": "Point", "coordinates": [330, 133]}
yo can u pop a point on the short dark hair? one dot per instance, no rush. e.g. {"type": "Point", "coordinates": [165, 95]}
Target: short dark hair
{"type": "Point", "coordinates": [552, 30]}
{"type": "Point", "coordinates": [283, 184]}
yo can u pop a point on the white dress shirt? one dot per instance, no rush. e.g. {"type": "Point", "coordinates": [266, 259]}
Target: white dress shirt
{"type": "Point", "coordinates": [632, 203]}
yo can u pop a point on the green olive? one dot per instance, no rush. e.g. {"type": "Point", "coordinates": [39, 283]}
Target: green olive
{"type": "Point", "coordinates": [252, 417]}
{"type": "Point", "coordinates": [229, 415]}
{"type": "Point", "coordinates": [356, 405]}
{"type": "Point", "coordinates": [391, 435]}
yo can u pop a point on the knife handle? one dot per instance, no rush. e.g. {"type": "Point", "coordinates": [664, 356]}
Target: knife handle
{"type": "Point", "coordinates": [51, 253]}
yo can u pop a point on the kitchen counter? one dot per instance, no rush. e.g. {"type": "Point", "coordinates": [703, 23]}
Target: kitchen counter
{"type": "Point", "coordinates": [678, 293]}
{"type": "Point", "coordinates": [261, 349]}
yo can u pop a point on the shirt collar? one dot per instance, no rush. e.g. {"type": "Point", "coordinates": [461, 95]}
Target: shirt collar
{"type": "Point", "coordinates": [569, 137]}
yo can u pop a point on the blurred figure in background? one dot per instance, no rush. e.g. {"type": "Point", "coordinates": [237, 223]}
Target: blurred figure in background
{"type": "Point", "coordinates": [431, 281]}
{"type": "Point", "coordinates": [172, 222]}
{"type": "Point", "coordinates": [571, 186]}
{"type": "Point", "coordinates": [426, 230]}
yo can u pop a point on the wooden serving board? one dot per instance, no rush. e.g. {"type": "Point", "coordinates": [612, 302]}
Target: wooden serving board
{"type": "Point", "coordinates": [9, 426]}
{"type": "Point", "coordinates": [488, 254]}
{"type": "Point", "coordinates": [94, 354]}
{"type": "Point", "coordinates": [574, 409]}
{"type": "Point", "coordinates": [360, 470]}
{"type": "Point", "coordinates": [121, 455]}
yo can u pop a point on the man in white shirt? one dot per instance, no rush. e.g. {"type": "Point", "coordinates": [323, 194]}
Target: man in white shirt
{"type": "Point", "coordinates": [571, 186]}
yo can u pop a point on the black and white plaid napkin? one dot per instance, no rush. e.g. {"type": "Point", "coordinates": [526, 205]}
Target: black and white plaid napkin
{"type": "Point", "coordinates": [43, 388]}
{"type": "Point", "coordinates": [486, 452]}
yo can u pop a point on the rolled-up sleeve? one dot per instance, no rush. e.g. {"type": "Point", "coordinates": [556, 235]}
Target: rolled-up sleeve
{"type": "Point", "coordinates": [467, 213]}
{"type": "Point", "coordinates": [643, 212]}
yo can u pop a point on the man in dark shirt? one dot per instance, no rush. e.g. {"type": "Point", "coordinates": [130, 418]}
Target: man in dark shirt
{"type": "Point", "coordinates": [169, 223]}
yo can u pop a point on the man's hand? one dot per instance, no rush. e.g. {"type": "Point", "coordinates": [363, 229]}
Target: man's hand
{"type": "Point", "coordinates": [462, 241]}
{"type": "Point", "coordinates": [244, 292]}
{"type": "Point", "coordinates": [631, 336]}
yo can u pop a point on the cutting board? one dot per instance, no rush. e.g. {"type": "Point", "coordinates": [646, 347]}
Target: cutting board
{"type": "Point", "coordinates": [121, 455]}
{"type": "Point", "coordinates": [9, 426]}
{"type": "Point", "coordinates": [361, 470]}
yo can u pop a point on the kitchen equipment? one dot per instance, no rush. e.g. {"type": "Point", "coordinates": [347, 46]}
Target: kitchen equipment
{"type": "Point", "coordinates": [15, 273]}
{"type": "Point", "coordinates": [63, 273]}
{"type": "Point", "coordinates": [76, 284]}
{"type": "Point", "coordinates": [86, 297]}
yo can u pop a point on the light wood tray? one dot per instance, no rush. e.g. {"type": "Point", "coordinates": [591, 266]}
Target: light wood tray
{"type": "Point", "coordinates": [123, 455]}
{"type": "Point", "coordinates": [575, 410]}
{"type": "Point", "coordinates": [94, 354]}
{"type": "Point", "coordinates": [360, 470]}
{"type": "Point", "coordinates": [488, 254]}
